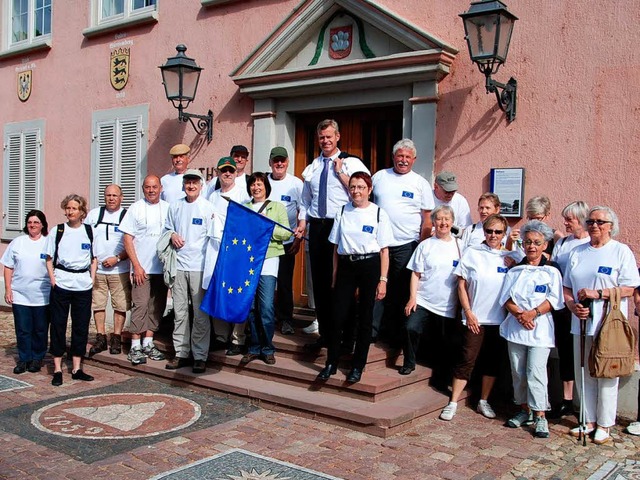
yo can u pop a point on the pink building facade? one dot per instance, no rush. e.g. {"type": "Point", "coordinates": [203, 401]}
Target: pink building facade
{"type": "Point", "coordinates": [73, 122]}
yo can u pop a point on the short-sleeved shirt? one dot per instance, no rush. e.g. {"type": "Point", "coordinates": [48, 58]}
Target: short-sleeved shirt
{"type": "Point", "coordinates": [358, 230]}
{"type": "Point", "coordinates": [74, 252]}
{"type": "Point", "coordinates": [528, 287]}
{"type": "Point", "coordinates": [612, 265]}
{"type": "Point", "coordinates": [193, 222]}
{"type": "Point", "coordinates": [460, 208]}
{"type": "Point", "coordinates": [104, 247]}
{"type": "Point", "coordinates": [288, 191]}
{"type": "Point", "coordinates": [30, 282]}
{"type": "Point", "coordinates": [563, 248]}
{"type": "Point", "coordinates": [473, 235]}
{"type": "Point", "coordinates": [172, 187]}
{"type": "Point", "coordinates": [484, 270]}
{"type": "Point", "coordinates": [406, 196]}
{"type": "Point", "coordinates": [435, 260]}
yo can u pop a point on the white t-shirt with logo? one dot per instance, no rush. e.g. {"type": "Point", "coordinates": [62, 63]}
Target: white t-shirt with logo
{"type": "Point", "coordinates": [358, 231]}
{"type": "Point", "coordinates": [435, 260]}
{"type": "Point", "coordinates": [528, 287]}
{"type": "Point", "coordinates": [460, 208]}
{"type": "Point", "coordinates": [404, 197]}
{"type": "Point", "coordinates": [172, 187]}
{"type": "Point", "coordinates": [30, 282]}
{"type": "Point", "coordinates": [104, 248]}
{"type": "Point", "coordinates": [288, 191]}
{"type": "Point", "coordinates": [563, 248]}
{"type": "Point", "coordinates": [612, 265]}
{"type": "Point", "coordinates": [74, 252]}
{"type": "Point", "coordinates": [144, 221]}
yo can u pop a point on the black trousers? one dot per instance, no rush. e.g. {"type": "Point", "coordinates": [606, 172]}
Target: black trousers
{"type": "Point", "coordinates": [363, 275]}
{"type": "Point", "coordinates": [60, 301]}
{"type": "Point", "coordinates": [564, 343]}
{"type": "Point", "coordinates": [284, 293]}
{"type": "Point", "coordinates": [321, 259]}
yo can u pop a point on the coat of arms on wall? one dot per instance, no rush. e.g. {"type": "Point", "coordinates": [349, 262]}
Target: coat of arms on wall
{"type": "Point", "coordinates": [340, 42]}
{"type": "Point", "coordinates": [25, 82]}
{"type": "Point", "coordinates": [119, 67]}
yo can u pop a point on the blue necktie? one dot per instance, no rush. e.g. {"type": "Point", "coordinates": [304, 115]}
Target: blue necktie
{"type": "Point", "coordinates": [322, 191]}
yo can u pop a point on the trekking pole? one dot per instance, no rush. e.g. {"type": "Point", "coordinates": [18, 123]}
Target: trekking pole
{"type": "Point", "coordinates": [582, 427]}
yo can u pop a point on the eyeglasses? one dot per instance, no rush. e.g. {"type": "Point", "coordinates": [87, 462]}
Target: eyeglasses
{"type": "Point", "coordinates": [537, 243]}
{"type": "Point", "coordinates": [489, 231]}
{"type": "Point", "coordinates": [279, 160]}
{"type": "Point", "coordinates": [358, 187]}
{"type": "Point", "coordinates": [226, 170]}
{"type": "Point", "coordinates": [598, 222]}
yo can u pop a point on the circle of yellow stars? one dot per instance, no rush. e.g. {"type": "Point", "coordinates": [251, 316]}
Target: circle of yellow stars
{"type": "Point", "coordinates": [231, 289]}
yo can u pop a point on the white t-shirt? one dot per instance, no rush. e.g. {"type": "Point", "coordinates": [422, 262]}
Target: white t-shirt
{"type": "Point", "coordinates": [103, 248]}
{"type": "Point", "coordinates": [74, 252]}
{"type": "Point", "coordinates": [563, 248]}
{"type": "Point", "coordinates": [460, 208]}
{"type": "Point", "coordinates": [484, 270]}
{"type": "Point", "coordinates": [144, 221]}
{"type": "Point", "coordinates": [528, 286]}
{"type": "Point", "coordinates": [241, 181]}
{"type": "Point", "coordinates": [237, 193]}
{"type": "Point", "coordinates": [357, 230]}
{"type": "Point", "coordinates": [270, 265]}
{"type": "Point", "coordinates": [612, 265]}
{"type": "Point", "coordinates": [30, 282]}
{"type": "Point", "coordinates": [435, 261]}
{"type": "Point", "coordinates": [337, 194]}
{"type": "Point", "coordinates": [288, 191]}
{"type": "Point", "coordinates": [172, 188]}
{"type": "Point", "coordinates": [473, 235]}
{"type": "Point", "coordinates": [193, 222]}
{"type": "Point", "coordinates": [405, 196]}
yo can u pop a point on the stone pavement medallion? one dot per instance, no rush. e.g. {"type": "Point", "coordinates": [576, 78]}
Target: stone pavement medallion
{"type": "Point", "coordinates": [237, 464]}
{"type": "Point", "coordinates": [8, 383]}
{"type": "Point", "coordinates": [630, 469]}
{"type": "Point", "coordinates": [119, 418]}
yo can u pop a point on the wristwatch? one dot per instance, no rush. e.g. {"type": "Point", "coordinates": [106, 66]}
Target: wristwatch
{"type": "Point", "coordinates": [117, 258]}
{"type": "Point", "coordinates": [600, 294]}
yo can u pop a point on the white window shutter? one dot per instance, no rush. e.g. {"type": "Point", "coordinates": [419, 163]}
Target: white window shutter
{"type": "Point", "coordinates": [30, 175]}
{"type": "Point", "coordinates": [106, 154]}
{"type": "Point", "coordinates": [129, 159]}
{"type": "Point", "coordinates": [13, 196]}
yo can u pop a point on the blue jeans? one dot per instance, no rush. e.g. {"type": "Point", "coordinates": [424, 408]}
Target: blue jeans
{"type": "Point", "coordinates": [32, 327]}
{"type": "Point", "coordinates": [262, 317]}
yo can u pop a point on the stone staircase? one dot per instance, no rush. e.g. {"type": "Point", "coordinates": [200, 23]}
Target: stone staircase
{"type": "Point", "coordinates": [382, 403]}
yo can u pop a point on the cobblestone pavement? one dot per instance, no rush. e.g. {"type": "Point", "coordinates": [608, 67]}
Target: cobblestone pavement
{"type": "Point", "coordinates": [469, 447]}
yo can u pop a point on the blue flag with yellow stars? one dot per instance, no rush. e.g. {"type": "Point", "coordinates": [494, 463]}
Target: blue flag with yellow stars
{"type": "Point", "coordinates": [235, 277]}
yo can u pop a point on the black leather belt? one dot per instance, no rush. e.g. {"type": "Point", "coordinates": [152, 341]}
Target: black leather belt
{"type": "Point", "coordinates": [320, 221]}
{"type": "Point", "coordinates": [358, 257]}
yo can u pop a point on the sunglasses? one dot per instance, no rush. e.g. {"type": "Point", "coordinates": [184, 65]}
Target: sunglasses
{"type": "Point", "coordinates": [279, 160]}
{"type": "Point", "coordinates": [537, 243]}
{"type": "Point", "coordinates": [489, 231]}
{"type": "Point", "coordinates": [226, 170]}
{"type": "Point", "coordinates": [598, 222]}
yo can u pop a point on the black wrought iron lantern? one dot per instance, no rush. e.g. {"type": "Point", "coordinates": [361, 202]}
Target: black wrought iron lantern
{"type": "Point", "coordinates": [488, 26]}
{"type": "Point", "coordinates": [180, 77]}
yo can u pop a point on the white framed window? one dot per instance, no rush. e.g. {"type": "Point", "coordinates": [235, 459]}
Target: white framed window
{"type": "Point", "coordinates": [27, 24]}
{"type": "Point", "coordinates": [23, 172]}
{"type": "Point", "coordinates": [108, 15]}
{"type": "Point", "coordinates": [119, 152]}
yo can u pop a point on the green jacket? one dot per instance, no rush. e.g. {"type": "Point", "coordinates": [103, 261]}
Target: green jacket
{"type": "Point", "coordinates": [277, 212]}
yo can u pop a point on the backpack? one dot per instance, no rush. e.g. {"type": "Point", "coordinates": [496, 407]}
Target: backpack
{"type": "Point", "coordinates": [612, 352]}
{"type": "Point", "coordinates": [59, 233]}
{"type": "Point", "coordinates": [101, 218]}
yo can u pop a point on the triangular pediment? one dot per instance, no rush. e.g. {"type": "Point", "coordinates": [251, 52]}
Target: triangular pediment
{"type": "Point", "coordinates": [328, 41]}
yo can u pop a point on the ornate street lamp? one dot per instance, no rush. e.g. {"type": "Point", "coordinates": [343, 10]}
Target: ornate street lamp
{"type": "Point", "coordinates": [180, 76]}
{"type": "Point", "coordinates": [488, 26]}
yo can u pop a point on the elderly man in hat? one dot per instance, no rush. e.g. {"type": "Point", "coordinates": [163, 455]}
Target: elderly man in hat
{"type": "Point", "coordinates": [286, 189]}
{"type": "Point", "coordinates": [240, 156]}
{"type": "Point", "coordinates": [408, 199]}
{"type": "Point", "coordinates": [190, 221]}
{"type": "Point", "coordinates": [445, 192]}
{"type": "Point", "coordinates": [172, 188]}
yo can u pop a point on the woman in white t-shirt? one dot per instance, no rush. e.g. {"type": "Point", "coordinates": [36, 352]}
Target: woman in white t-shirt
{"type": "Point", "coordinates": [27, 288]}
{"type": "Point", "coordinates": [361, 234]}
{"type": "Point", "coordinates": [531, 291]}
{"type": "Point", "coordinates": [72, 268]}
{"type": "Point", "coordinates": [433, 297]}
{"type": "Point", "coordinates": [593, 269]}
{"type": "Point", "coordinates": [481, 271]}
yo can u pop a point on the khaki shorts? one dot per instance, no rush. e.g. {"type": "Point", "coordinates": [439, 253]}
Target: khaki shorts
{"type": "Point", "coordinates": [118, 285]}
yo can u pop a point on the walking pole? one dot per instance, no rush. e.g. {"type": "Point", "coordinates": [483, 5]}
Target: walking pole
{"type": "Point", "coordinates": [582, 427]}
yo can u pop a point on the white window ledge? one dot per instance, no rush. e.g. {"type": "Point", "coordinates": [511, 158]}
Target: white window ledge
{"type": "Point", "coordinates": [27, 48]}
{"type": "Point", "coordinates": [211, 3]}
{"type": "Point", "coordinates": [139, 19]}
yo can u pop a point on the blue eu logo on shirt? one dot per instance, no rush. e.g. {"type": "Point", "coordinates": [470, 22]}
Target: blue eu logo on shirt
{"type": "Point", "coordinates": [541, 289]}
{"type": "Point", "coordinates": [407, 194]}
{"type": "Point", "coordinates": [367, 229]}
{"type": "Point", "coordinates": [455, 263]}
{"type": "Point", "coordinates": [503, 269]}
{"type": "Point", "coordinates": [86, 246]}
{"type": "Point", "coordinates": [43, 256]}
{"type": "Point", "coordinates": [196, 221]}
{"type": "Point", "coordinates": [116, 228]}
{"type": "Point", "coordinates": [605, 270]}
{"type": "Point", "coordinates": [285, 198]}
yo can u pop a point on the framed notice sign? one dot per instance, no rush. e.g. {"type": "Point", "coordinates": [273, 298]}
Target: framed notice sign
{"type": "Point", "coordinates": [508, 184]}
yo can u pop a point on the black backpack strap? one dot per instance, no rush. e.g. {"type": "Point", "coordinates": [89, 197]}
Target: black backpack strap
{"type": "Point", "coordinates": [122, 214]}
{"type": "Point", "coordinates": [59, 233]}
{"type": "Point", "coordinates": [100, 216]}
{"type": "Point", "coordinates": [264, 205]}
{"type": "Point", "coordinates": [378, 214]}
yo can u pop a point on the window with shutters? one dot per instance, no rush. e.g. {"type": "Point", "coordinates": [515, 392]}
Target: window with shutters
{"type": "Point", "coordinates": [119, 153]}
{"type": "Point", "coordinates": [107, 15]}
{"type": "Point", "coordinates": [22, 174]}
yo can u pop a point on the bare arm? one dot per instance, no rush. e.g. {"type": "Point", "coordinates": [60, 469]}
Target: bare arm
{"type": "Point", "coordinates": [335, 266]}
{"type": "Point", "coordinates": [52, 277]}
{"type": "Point", "coordinates": [465, 302]}
{"type": "Point", "coordinates": [139, 275]}
{"type": "Point", "coordinates": [413, 294]}
{"type": "Point", "coordinates": [8, 276]}
{"type": "Point", "coordinates": [381, 290]}
{"type": "Point", "coordinates": [425, 228]}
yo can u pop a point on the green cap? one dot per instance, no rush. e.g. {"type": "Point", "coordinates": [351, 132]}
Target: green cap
{"type": "Point", "coordinates": [227, 162]}
{"type": "Point", "coordinates": [278, 152]}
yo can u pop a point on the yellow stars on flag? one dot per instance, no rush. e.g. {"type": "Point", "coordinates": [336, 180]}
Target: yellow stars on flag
{"type": "Point", "coordinates": [247, 283]}
{"type": "Point", "coordinates": [235, 241]}
{"type": "Point", "coordinates": [239, 289]}
{"type": "Point", "coordinates": [230, 290]}
{"type": "Point", "coordinates": [251, 271]}
{"type": "Point", "coordinates": [251, 258]}
{"type": "Point", "coordinates": [248, 248]}
{"type": "Point", "coordinates": [224, 284]}
{"type": "Point", "coordinates": [244, 241]}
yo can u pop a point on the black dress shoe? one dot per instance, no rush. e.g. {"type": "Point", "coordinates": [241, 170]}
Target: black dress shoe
{"type": "Point", "coordinates": [234, 350]}
{"type": "Point", "coordinates": [34, 366]}
{"type": "Point", "coordinates": [314, 347]}
{"type": "Point", "coordinates": [20, 367]}
{"type": "Point", "coordinates": [327, 371]}
{"type": "Point", "coordinates": [406, 370]}
{"type": "Point", "coordinates": [354, 375]}
{"type": "Point", "coordinates": [563, 410]}
{"type": "Point", "coordinates": [199, 366]}
{"type": "Point", "coordinates": [80, 375]}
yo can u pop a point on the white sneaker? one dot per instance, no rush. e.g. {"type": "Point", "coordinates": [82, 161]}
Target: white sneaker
{"type": "Point", "coordinates": [449, 411]}
{"type": "Point", "coordinates": [312, 328]}
{"type": "Point", "coordinates": [634, 428]}
{"type": "Point", "coordinates": [485, 409]}
{"type": "Point", "coordinates": [601, 436]}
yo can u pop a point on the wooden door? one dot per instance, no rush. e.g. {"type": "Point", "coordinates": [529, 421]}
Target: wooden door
{"type": "Point", "coordinates": [368, 133]}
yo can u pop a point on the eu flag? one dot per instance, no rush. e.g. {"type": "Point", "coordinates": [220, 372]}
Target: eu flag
{"type": "Point", "coordinates": [235, 278]}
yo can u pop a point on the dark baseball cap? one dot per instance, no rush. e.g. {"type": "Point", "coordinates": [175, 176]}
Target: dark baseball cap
{"type": "Point", "coordinates": [239, 149]}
